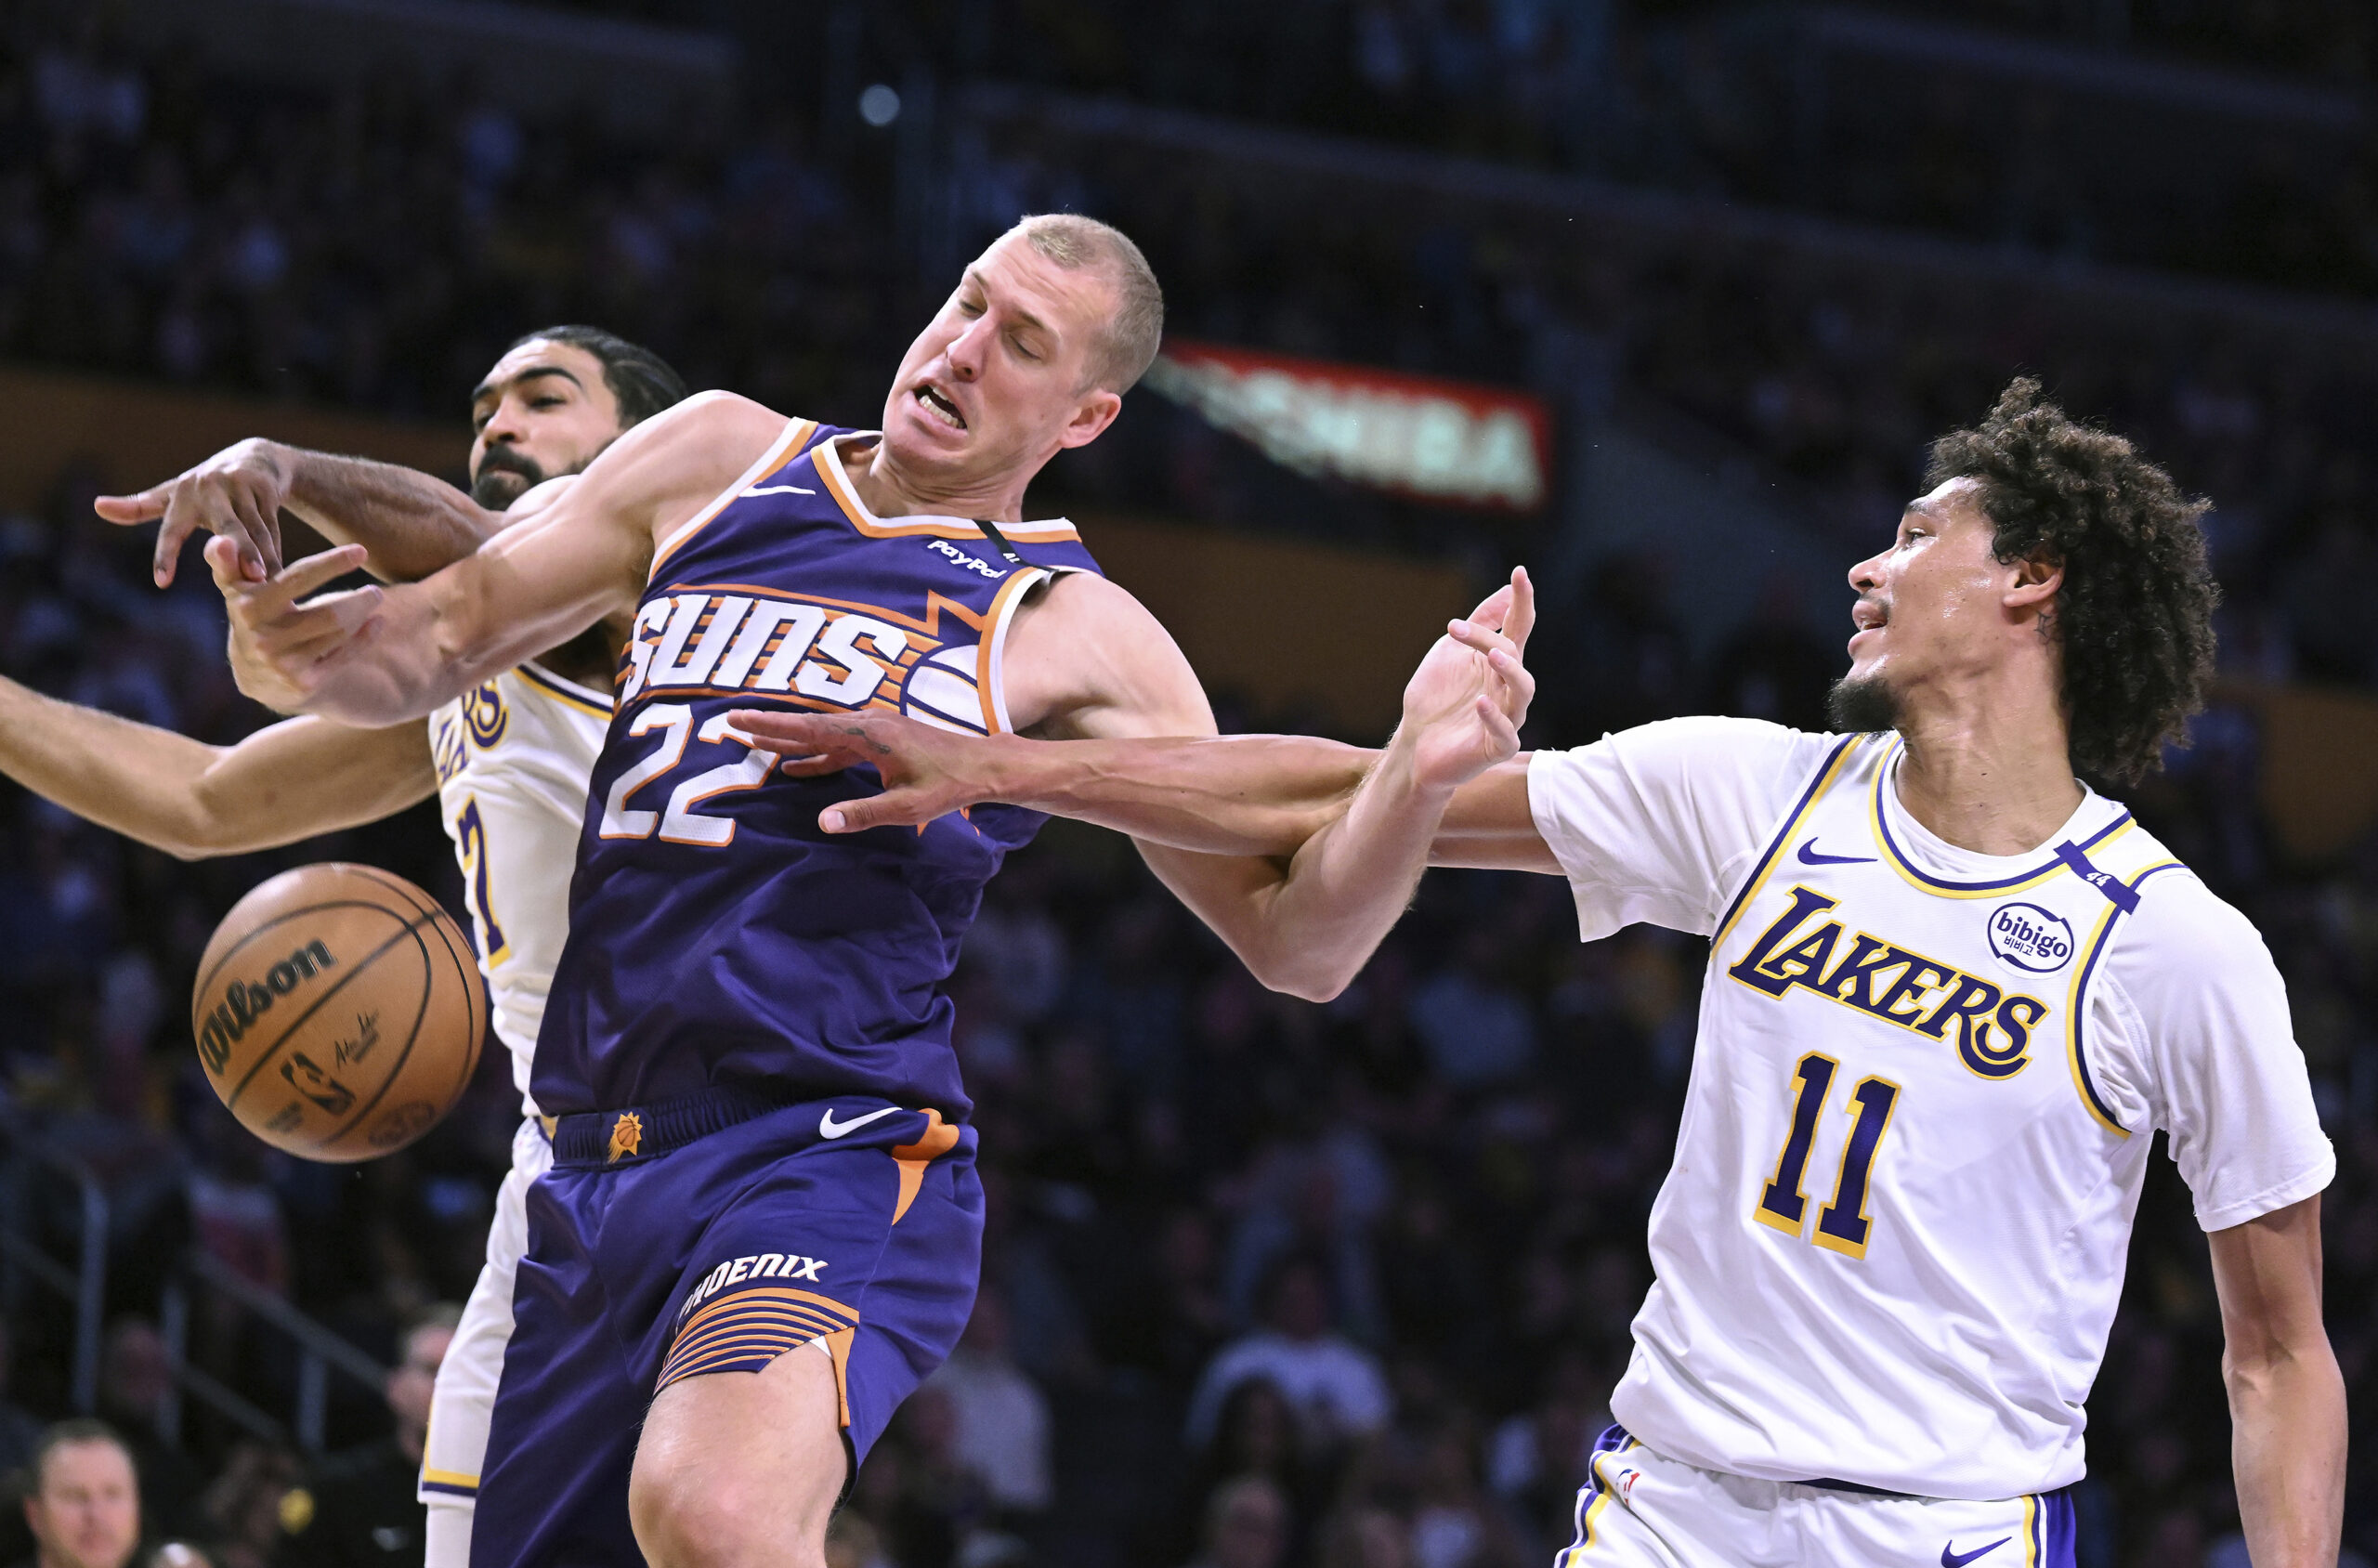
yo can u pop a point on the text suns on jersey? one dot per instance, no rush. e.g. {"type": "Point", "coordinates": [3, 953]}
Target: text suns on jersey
{"type": "Point", "coordinates": [811, 651]}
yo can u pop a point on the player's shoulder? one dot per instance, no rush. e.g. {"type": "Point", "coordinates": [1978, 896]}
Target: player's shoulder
{"type": "Point", "coordinates": [1712, 750]}
{"type": "Point", "coordinates": [2178, 922]}
{"type": "Point", "coordinates": [726, 427]}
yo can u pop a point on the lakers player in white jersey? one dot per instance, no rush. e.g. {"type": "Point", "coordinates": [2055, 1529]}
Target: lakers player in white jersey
{"type": "Point", "coordinates": [509, 761]}
{"type": "Point", "coordinates": [1951, 994]}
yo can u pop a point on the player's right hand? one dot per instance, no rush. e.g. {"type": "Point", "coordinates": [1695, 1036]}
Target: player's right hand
{"type": "Point", "coordinates": [278, 646]}
{"type": "Point", "coordinates": [236, 495]}
{"type": "Point", "coordinates": [927, 772]}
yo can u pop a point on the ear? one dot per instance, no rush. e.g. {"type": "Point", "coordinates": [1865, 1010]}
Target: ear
{"type": "Point", "coordinates": [1092, 416]}
{"type": "Point", "coordinates": [2034, 588]}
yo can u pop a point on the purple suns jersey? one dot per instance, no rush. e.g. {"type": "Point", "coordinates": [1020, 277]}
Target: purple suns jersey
{"type": "Point", "coordinates": [717, 934]}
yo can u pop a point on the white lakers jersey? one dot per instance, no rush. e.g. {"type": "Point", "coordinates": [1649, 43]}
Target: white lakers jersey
{"type": "Point", "coordinates": [1925, 1083]}
{"type": "Point", "coordinates": [514, 757]}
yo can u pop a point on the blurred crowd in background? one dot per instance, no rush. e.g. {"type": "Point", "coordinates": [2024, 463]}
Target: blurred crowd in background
{"type": "Point", "coordinates": [1266, 1283]}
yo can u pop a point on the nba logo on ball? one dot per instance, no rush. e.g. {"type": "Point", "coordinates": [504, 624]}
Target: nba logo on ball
{"type": "Point", "coordinates": [2029, 937]}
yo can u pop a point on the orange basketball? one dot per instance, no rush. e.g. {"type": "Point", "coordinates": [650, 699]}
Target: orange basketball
{"type": "Point", "coordinates": [338, 1012]}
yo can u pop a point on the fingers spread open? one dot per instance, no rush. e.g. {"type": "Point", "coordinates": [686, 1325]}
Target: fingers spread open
{"type": "Point", "coordinates": [124, 510]}
{"type": "Point", "coordinates": [894, 808]}
{"type": "Point", "coordinates": [261, 528]}
{"type": "Point", "coordinates": [300, 578]}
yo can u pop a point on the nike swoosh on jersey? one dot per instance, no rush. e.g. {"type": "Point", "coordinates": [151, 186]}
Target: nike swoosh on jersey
{"type": "Point", "coordinates": [1952, 1557]}
{"type": "Point", "coordinates": [1809, 857]}
{"type": "Point", "coordinates": [829, 1127]}
{"type": "Point", "coordinates": [779, 489]}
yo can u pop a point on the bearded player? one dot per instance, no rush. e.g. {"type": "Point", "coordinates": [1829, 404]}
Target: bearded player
{"type": "Point", "coordinates": [763, 1227]}
{"type": "Point", "coordinates": [509, 761]}
{"type": "Point", "coordinates": [1953, 992]}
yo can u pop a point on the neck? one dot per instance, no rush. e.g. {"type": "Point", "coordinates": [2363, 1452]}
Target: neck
{"type": "Point", "coordinates": [889, 489]}
{"type": "Point", "coordinates": [1990, 771]}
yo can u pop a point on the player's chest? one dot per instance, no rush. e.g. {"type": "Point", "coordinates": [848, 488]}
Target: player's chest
{"type": "Point", "coordinates": [808, 611]}
{"type": "Point", "coordinates": [1970, 989]}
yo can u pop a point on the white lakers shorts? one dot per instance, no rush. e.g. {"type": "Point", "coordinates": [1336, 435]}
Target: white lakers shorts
{"type": "Point", "coordinates": [464, 1400]}
{"type": "Point", "coordinates": [1643, 1509]}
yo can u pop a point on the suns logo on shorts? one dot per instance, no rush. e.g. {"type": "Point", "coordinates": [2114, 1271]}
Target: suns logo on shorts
{"type": "Point", "coordinates": [627, 1136]}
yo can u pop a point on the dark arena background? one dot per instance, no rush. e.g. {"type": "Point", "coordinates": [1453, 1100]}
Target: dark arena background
{"type": "Point", "coordinates": [1661, 298]}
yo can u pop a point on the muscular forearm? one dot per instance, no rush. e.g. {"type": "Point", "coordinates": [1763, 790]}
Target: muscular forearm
{"type": "Point", "coordinates": [192, 800]}
{"type": "Point", "coordinates": [2287, 1418]}
{"type": "Point", "coordinates": [1308, 925]}
{"type": "Point", "coordinates": [411, 523]}
{"type": "Point", "coordinates": [1232, 794]}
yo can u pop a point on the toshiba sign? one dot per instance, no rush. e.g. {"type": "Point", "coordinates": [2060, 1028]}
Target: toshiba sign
{"type": "Point", "coordinates": [1446, 441]}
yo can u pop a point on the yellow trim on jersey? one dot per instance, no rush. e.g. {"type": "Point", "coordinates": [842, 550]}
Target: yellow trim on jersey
{"type": "Point", "coordinates": [1939, 889]}
{"type": "Point", "coordinates": [448, 1478]}
{"type": "Point", "coordinates": [785, 447]}
{"type": "Point", "coordinates": [2074, 1016]}
{"type": "Point", "coordinates": [1826, 777]}
{"type": "Point", "coordinates": [829, 463]}
{"type": "Point", "coordinates": [564, 692]}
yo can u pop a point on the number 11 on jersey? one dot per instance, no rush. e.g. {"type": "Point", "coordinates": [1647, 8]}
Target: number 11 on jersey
{"type": "Point", "coordinates": [1842, 1225]}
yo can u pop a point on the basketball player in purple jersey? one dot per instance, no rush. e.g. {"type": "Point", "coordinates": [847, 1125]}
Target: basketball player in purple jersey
{"type": "Point", "coordinates": [762, 1145]}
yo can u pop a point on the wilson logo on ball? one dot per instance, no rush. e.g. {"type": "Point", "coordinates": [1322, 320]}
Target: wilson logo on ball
{"type": "Point", "coordinates": [244, 1001]}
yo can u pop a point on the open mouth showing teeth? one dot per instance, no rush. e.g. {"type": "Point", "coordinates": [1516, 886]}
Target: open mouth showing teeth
{"type": "Point", "coordinates": [941, 407]}
{"type": "Point", "coordinates": [1869, 616]}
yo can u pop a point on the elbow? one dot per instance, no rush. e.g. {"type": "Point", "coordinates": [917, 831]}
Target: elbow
{"type": "Point", "coordinates": [1300, 975]}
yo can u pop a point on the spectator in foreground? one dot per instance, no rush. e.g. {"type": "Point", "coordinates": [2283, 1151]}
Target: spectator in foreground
{"type": "Point", "coordinates": [361, 1507]}
{"type": "Point", "coordinates": [84, 1511]}
{"type": "Point", "coordinates": [1335, 1385]}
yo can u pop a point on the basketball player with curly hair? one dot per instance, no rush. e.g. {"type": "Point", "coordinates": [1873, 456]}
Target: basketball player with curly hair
{"type": "Point", "coordinates": [1951, 994]}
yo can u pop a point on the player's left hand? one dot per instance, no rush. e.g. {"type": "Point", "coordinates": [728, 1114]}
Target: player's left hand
{"type": "Point", "coordinates": [280, 646]}
{"type": "Point", "coordinates": [236, 495]}
{"type": "Point", "coordinates": [1464, 705]}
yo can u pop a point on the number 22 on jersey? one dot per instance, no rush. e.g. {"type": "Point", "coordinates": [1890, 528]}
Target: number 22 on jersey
{"type": "Point", "coordinates": [1843, 1224]}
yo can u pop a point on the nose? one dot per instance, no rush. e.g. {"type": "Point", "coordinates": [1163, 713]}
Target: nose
{"type": "Point", "coordinates": [504, 428]}
{"type": "Point", "coordinates": [1867, 574]}
{"type": "Point", "coordinates": [967, 350]}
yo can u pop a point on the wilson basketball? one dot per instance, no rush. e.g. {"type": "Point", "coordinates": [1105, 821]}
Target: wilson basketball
{"type": "Point", "coordinates": [338, 1013]}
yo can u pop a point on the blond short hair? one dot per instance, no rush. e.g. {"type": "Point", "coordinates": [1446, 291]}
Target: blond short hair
{"type": "Point", "coordinates": [1127, 345]}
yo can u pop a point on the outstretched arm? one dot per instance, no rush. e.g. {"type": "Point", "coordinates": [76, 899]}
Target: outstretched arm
{"type": "Point", "coordinates": [2287, 1410]}
{"type": "Point", "coordinates": [410, 523]}
{"type": "Point", "coordinates": [286, 782]}
{"type": "Point", "coordinates": [377, 656]}
{"type": "Point", "coordinates": [1319, 845]}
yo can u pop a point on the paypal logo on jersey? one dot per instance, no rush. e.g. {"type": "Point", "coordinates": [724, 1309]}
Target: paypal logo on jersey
{"type": "Point", "coordinates": [2033, 939]}
{"type": "Point", "coordinates": [960, 557]}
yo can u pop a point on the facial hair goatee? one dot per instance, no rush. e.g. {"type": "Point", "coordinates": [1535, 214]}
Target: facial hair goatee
{"type": "Point", "coordinates": [1861, 705]}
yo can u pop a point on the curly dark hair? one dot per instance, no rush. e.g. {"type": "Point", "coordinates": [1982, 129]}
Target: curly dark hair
{"type": "Point", "coordinates": [2134, 616]}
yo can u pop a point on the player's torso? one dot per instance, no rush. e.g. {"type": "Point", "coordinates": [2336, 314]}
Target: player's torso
{"type": "Point", "coordinates": [514, 757]}
{"type": "Point", "coordinates": [718, 936]}
{"type": "Point", "coordinates": [1894, 1236]}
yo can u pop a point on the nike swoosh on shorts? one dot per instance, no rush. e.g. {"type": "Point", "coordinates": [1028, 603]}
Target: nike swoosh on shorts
{"type": "Point", "coordinates": [829, 1127]}
{"type": "Point", "coordinates": [1952, 1557]}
